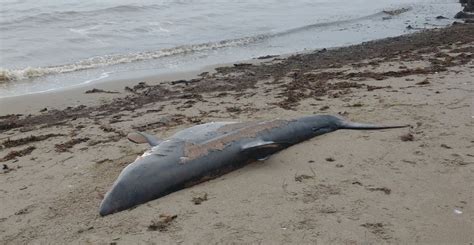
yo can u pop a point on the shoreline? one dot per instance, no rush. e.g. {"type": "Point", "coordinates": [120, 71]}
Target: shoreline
{"type": "Point", "coordinates": [74, 96]}
{"type": "Point", "coordinates": [63, 96]}
{"type": "Point", "coordinates": [389, 19]}
{"type": "Point", "coordinates": [77, 96]}
{"type": "Point", "coordinates": [391, 186]}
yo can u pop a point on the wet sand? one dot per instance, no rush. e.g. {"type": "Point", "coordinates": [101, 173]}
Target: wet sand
{"type": "Point", "coordinates": [388, 186]}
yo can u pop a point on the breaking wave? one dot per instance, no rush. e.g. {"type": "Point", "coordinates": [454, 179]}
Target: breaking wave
{"type": "Point", "coordinates": [7, 75]}
{"type": "Point", "coordinates": [109, 60]}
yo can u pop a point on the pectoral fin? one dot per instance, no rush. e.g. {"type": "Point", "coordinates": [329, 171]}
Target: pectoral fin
{"type": "Point", "coordinates": [141, 138]}
{"type": "Point", "coordinates": [261, 150]}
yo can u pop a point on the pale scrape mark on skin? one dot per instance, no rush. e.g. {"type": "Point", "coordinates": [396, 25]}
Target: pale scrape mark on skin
{"type": "Point", "coordinates": [250, 130]}
{"type": "Point", "coordinates": [235, 126]}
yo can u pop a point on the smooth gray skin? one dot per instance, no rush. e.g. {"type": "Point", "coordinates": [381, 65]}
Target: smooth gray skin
{"type": "Point", "coordinates": [169, 167]}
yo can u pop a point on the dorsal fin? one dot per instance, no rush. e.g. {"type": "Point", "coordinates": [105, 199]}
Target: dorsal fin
{"type": "Point", "coordinates": [141, 138]}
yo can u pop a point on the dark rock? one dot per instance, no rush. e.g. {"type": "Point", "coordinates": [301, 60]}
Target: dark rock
{"type": "Point", "coordinates": [186, 82]}
{"type": "Point", "coordinates": [440, 17]}
{"type": "Point", "coordinates": [267, 57]}
{"type": "Point", "coordinates": [95, 90]}
{"type": "Point", "coordinates": [242, 65]}
{"type": "Point", "coordinates": [468, 6]}
{"type": "Point", "coordinates": [464, 15]}
{"type": "Point", "coordinates": [396, 11]}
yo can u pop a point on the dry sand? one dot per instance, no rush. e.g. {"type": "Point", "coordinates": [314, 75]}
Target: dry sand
{"type": "Point", "coordinates": [390, 186]}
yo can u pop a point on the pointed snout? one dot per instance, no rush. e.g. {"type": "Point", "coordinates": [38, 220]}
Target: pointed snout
{"type": "Point", "coordinates": [127, 191]}
{"type": "Point", "coordinates": [117, 199]}
{"type": "Point", "coordinates": [106, 208]}
{"type": "Point", "coordinates": [138, 183]}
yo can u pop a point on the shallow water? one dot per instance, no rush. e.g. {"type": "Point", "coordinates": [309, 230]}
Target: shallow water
{"type": "Point", "coordinates": [47, 45]}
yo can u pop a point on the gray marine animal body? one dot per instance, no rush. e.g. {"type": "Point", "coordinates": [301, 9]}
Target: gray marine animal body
{"type": "Point", "coordinates": [206, 151]}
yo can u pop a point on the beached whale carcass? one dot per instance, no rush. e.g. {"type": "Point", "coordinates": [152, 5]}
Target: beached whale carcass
{"type": "Point", "coordinates": [203, 152]}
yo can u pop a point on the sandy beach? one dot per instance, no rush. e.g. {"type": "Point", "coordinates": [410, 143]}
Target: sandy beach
{"type": "Point", "coordinates": [61, 152]}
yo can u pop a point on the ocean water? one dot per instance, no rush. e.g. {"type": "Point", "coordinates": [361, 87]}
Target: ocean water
{"type": "Point", "coordinates": [48, 44]}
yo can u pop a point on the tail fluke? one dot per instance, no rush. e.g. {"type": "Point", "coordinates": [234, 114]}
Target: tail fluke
{"type": "Point", "coordinates": [363, 126]}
